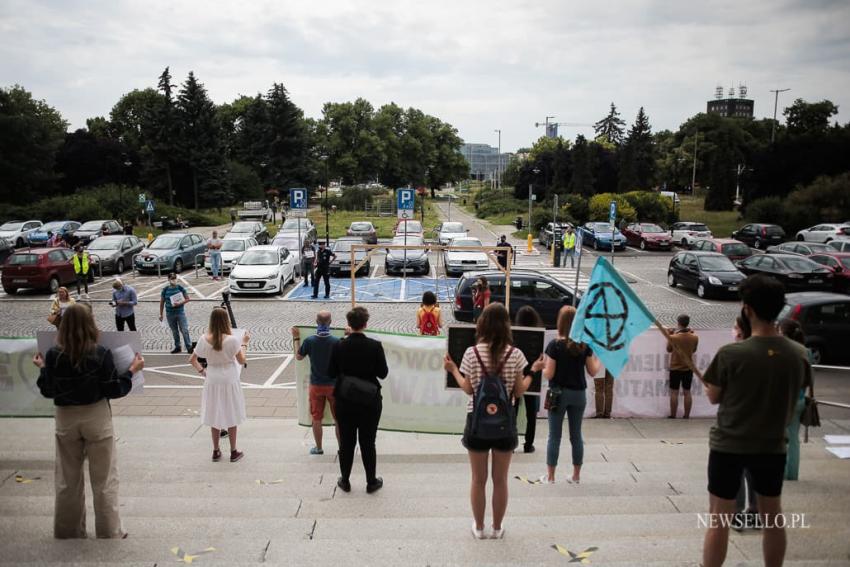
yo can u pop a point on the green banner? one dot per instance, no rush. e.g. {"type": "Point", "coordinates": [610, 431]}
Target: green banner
{"type": "Point", "coordinates": [19, 395]}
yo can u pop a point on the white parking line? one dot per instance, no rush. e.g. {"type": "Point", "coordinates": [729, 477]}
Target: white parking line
{"type": "Point", "coordinates": [152, 290]}
{"type": "Point", "coordinates": [374, 271]}
{"type": "Point", "coordinates": [274, 376]}
{"type": "Point", "coordinates": [192, 288]}
{"type": "Point", "coordinates": [667, 288]}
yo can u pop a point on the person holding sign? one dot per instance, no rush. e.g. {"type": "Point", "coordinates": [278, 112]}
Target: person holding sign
{"type": "Point", "coordinates": [566, 364]}
{"type": "Point", "coordinates": [80, 377]}
{"type": "Point", "coordinates": [172, 299]}
{"type": "Point", "coordinates": [492, 373]}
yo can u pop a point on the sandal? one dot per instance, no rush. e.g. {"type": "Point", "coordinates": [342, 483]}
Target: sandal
{"type": "Point", "coordinates": [216, 456]}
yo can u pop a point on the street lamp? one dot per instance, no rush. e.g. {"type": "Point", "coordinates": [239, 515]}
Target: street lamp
{"type": "Point", "coordinates": [775, 104]}
{"type": "Point", "coordinates": [535, 171]}
{"type": "Point", "coordinates": [499, 167]}
{"type": "Point", "coordinates": [324, 159]}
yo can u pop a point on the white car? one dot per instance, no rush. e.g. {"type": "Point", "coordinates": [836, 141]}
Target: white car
{"type": "Point", "coordinates": [17, 232]}
{"type": "Point", "coordinates": [447, 231]}
{"type": "Point", "coordinates": [231, 250]}
{"type": "Point", "coordinates": [262, 269]}
{"type": "Point", "coordinates": [825, 233]}
{"type": "Point", "coordinates": [290, 241]}
{"type": "Point", "coordinates": [459, 261]}
{"type": "Point", "coordinates": [684, 233]}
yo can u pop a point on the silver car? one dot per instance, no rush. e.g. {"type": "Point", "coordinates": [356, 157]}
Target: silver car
{"type": "Point", "coordinates": [448, 231]}
{"type": "Point", "coordinates": [231, 250]}
{"type": "Point", "coordinates": [459, 261]}
{"type": "Point", "coordinates": [114, 253]}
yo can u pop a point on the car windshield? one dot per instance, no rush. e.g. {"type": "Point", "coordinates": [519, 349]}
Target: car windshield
{"type": "Point", "coordinates": [410, 241]}
{"type": "Point", "coordinates": [735, 249]}
{"type": "Point", "coordinates": [259, 258]}
{"type": "Point", "coordinates": [466, 242]}
{"type": "Point", "coordinates": [651, 228]}
{"type": "Point", "coordinates": [105, 244]}
{"type": "Point", "coordinates": [410, 226]}
{"type": "Point", "coordinates": [243, 227]}
{"type": "Point", "coordinates": [23, 259]}
{"type": "Point", "coordinates": [453, 227]}
{"type": "Point", "coordinates": [232, 245]}
{"type": "Point", "coordinates": [292, 224]}
{"type": "Point", "coordinates": [92, 225]}
{"type": "Point", "coordinates": [166, 242]}
{"type": "Point", "coordinates": [602, 227]}
{"type": "Point", "coordinates": [800, 264]}
{"type": "Point", "coordinates": [55, 225]}
{"type": "Point", "coordinates": [697, 228]}
{"type": "Point", "coordinates": [773, 230]}
{"type": "Point", "coordinates": [345, 245]}
{"type": "Point", "coordinates": [12, 226]}
{"type": "Point", "coordinates": [815, 248]}
{"type": "Point", "coordinates": [361, 226]}
{"type": "Point", "coordinates": [716, 264]}
{"type": "Point", "coordinates": [288, 243]}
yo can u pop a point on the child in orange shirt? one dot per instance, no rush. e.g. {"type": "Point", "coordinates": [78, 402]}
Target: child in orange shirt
{"type": "Point", "coordinates": [428, 317]}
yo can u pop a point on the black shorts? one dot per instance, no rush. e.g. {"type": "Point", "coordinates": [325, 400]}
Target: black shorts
{"type": "Point", "coordinates": [683, 377]}
{"type": "Point", "coordinates": [726, 469]}
{"type": "Point", "coordinates": [484, 445]}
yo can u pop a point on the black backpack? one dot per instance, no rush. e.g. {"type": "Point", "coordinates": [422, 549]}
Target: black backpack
{"type": "Point", "coordinates": [492, 412]}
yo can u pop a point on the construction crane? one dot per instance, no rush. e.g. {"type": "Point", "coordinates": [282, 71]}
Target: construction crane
{"type": "Point", "coordinates": [554, 126]}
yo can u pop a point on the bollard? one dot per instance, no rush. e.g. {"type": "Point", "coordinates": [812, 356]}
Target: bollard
{"type": "Point", "coordinates": [530, 240]}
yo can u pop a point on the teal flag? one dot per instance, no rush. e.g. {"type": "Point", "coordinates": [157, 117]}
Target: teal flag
{"type": "Point", "coordinates": [609, 317]}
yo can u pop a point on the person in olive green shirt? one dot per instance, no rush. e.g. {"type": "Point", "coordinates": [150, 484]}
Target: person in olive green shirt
{"type": "Point", "coordinates": [755, 382]}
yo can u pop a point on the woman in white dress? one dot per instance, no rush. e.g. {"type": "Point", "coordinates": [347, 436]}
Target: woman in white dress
{"type": "Point", "coordinates": [222, 403]}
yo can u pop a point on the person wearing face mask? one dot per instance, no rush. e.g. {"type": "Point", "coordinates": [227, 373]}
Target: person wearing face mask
{"type": "Point", "coordinates": [173, 299]}
{"type": "Point", "coordinates": [318, 347]}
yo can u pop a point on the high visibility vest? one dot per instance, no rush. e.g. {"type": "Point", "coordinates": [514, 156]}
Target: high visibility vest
{"type": "Point", "coordinates": [569, 241]}
{"type": "Point", "coordinates": [85, 266]}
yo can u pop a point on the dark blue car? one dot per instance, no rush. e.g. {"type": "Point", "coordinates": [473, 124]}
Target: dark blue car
{"type": "Point", "coordinates": [599, 235]}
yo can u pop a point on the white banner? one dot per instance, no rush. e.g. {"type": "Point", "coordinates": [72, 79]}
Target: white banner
{"type": "Point", "coordinates": [415, 397]}
{"type": "Point", "coordinates": [19, 395]}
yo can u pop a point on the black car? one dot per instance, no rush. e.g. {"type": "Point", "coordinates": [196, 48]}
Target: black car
{"type": "Point", "coordinates": [402, 260]}
{"type": "Point", "coordinates": [709, 273]}
{"type": "Point", "coordinates": [760, 235]}
{"type": "Point", "coordinates": [825, 318]}
{"type": "Point", "coordinates": [796, 272]}
{"type": "Point", "coordinates": [249, 229]}
{"type": "Point", "coordinates": [6, 249]}
{"type": "Point", "coordinates": [802, 248]}
{"type": "Point", "coordinates": [342, 249]}
{"type": "Point", "coordinates": [528, 287]}
{"type": "Point", "coordinates": [88, 231]}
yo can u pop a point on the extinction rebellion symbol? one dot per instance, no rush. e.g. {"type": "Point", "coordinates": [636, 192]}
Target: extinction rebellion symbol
{"type": "Point", "coordinates": [607, 303]}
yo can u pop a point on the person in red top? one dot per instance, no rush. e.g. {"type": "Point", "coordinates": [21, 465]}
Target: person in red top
{"type": "Point", "coordinates": [480, 297]}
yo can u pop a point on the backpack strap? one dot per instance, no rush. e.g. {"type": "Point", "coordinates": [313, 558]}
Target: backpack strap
{"type": "Point", "coordinates": [484, 366]}
{"type": "Point", "coordinates": [480, 362]}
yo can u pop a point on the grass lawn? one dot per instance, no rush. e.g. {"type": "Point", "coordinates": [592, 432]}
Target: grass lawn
{"type": "Point", "coordinates": [340, 221]}
{"type": "Point", "coordinates": [721, 223]}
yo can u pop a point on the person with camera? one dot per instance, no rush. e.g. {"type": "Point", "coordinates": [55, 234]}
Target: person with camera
{"type": "Point", "coordinates": [491, 373]}
{"type": "Point", "coordinates": [566, 364]}
{"type": "Point", "coordinates": [356, 364]}
{"type": "Point", "coordinates": [682, 344]}
{"type": "Point", "coordinates": [480, 297]}
{"type": "Point", "coordinates": [80, 377]}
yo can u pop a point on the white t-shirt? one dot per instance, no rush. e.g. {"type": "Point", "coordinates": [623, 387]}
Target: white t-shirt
{"type": "Point", "coordinates": [224, 357]}
{"type": "Point", "coordinates": [214, 244]}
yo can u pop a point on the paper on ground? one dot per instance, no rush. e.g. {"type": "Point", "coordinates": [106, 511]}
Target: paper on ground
{"type": "Point", "coordinates": [123, 356]}
{"type": "Point", "coordinates": [837, 439]}
{"type": "Point", "coordinates": [842, 452]}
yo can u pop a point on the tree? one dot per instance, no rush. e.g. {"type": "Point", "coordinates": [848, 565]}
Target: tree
{"type": "Point", "coordinates": [87, 160]}
{"type": "Point", "coordinates": [610, 128]}
{"type": "Point", "coordinates": [31, 132]}
{"type": "Point", "coordinates": [288, 149]}
{"type": "Point", "coordinates": [638, 156]}
{"type": "Point", "coordinates": [581, 181]}
{"type": "Point", "coordinates": [165, 132]}
{"type": "Point", "coordinates": [809, 117]}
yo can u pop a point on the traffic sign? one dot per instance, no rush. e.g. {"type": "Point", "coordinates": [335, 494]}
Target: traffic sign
{"type": "Point", "coordinates": [142, 198]}
{"type": "Point", "coordinates": [149, 207]}
{"type": "Point", "coordinates": [298, 198]}
{"type": "Point", "coordinates": [612, 216]}
{"type": "Point", "coordinates": [405, 202]}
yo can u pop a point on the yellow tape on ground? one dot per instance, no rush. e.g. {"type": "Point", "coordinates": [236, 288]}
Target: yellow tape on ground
{"type": "Point", "coordinates": [189, 557]}
{"type": "Point", "coordinates": [525, 480]}
{"type": "Point", "coordinates": [583, 557]}
{"type": "Point", "coordinates": [21, 479]}
{"type": "Point", "coordinates": [265, 482]}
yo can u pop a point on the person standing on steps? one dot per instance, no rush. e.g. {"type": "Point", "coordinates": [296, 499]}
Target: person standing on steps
{"type": "Point", "coordinates": [318, 347]}
{"type": "Point", "coordinates": [570, 246]}
{"type": "Point", "coordinates": [124, 300]}
{"type": "Point", "coordinates": [527, 316]}
{"type": "Point", "coordinates": [324, 257]}
{"type": "Point", "coordinates": [173, 299]}
{"type": "Point", "coordinates": [682, 345]}
{"type": "Point", "coordinates": [357, 363]}
{"type": "Point", "coordinates": [603, 393]}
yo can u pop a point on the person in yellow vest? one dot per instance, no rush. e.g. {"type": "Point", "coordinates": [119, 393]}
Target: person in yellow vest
{"type": "Point", "coordinates": [80, 260]}
{"type": "Point", "coordinates": [570, 247]}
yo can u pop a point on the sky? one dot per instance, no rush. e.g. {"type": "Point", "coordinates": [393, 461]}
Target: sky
{"type": "Point", "coordinates": [477, 65]}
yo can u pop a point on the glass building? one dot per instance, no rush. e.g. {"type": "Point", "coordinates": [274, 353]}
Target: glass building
{"type": "Point", "coordinates": [483, 160]}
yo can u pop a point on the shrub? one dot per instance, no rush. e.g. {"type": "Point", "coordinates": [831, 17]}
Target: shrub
{"type": "Point", "coordinates": [651, 207]}
{"type": "Point", "coordinates": [826, 199]}
{"type": "Point", "coordinates": [575, 208]}
{"type": "Point", "coordinates": [768, 210]}
{"type": "Point", "coordinates": [599, 205]}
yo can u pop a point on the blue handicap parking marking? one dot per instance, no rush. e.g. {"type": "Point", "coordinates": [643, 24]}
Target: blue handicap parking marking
{"type": "Point", "coordinates": [380, 289]}
{"type": "Point", "coordinates": [443, 288]}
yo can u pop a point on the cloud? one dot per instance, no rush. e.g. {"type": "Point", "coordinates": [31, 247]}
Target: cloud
{"type": "Point", "coordinates": [478, 65]}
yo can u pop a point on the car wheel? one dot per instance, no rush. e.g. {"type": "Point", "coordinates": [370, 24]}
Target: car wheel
{"type": "Point", "coordinates": [817, 354]}
{"type": "Point", "coordinates": [53, 285]}
{"type": "Point", "coordinates": [119, 266]}
{"type": "Point", "coordinates": [596, 245]}
{"type": "Point", "coordinates": [19, 243]}
{"type": "Point", "coordinates": [280, 284]}
{"type": "Point", "coordinates": [671, 279]}
{"type": "Point", "coordinates": [9, 289]}
{"type": "Point", "coordinates": [800, 238]}
{"type": "Point", "coordinates": [643, 244]}
{"type": "Point", "coordinates": [757, 244]}
{"type": "Point", "coordinates": [427, 268]}
{"type": "Point", "coordinates": [684, 243]}
{"type": "Point", "coordinates": [178, 266]}
{"type": "Point", "coordinates": [701, 291]}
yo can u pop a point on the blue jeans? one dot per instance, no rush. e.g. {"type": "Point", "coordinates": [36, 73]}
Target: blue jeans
{"type": "Point", "coordinates": [572, 403]}
{"type": "Point", "coordinates": [179, 325]}
{"type": "Point", "coordinates": [215, 260]}
{"type": "Point", "coordinates": [571, 253]}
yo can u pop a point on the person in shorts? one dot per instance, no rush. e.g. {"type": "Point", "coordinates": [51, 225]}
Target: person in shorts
{"type": "Point", "coordinates": [318, 347]}
{"type": "Point", "coordinates": [681, 346]}
{"type": "Point", "coordinates": [755, 383]}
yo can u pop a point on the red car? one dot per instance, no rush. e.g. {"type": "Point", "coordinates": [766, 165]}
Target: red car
{"type": "Point", "coordinates": [840, 264]}
{"type": "Point", "coordinates": [647, 235]}
{"type": "Point", "coordinates": [733, 249]}
{"type": "Point", "coordinates": [38, 268]}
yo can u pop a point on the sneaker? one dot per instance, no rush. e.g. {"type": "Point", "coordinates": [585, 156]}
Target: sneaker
{"type": "Point", "coordinates": [327, 297]}
{"type": "Point", "coordinates": [343, 484]}
{"type": "Point", "coordinates": [236, 456]}
{"type": "Point", "coordinates": [497, 534]}
{"type": "Point", "coordinates": [216, 456]}
{"type": "Point", "coordinates": [476, 533]}
{"type": "Point", "coordinates": [528, 448]}
{"type": "Point", "coordinates": [190, 349]}
{"type": "Point", "coordinates": [375, 486]}
{"type": "Point", "coordinates": [317, 451]}
{"type": "Point", "coordinates": [175, 350]}
{"type": "Point", "coordinates": [314, 297]}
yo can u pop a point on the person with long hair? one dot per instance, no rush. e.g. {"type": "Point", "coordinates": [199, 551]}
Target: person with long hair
{"type": "Point", "coordinates": [566, 364]}
{"type": "Point", "coordinates": [58, 305]}
{"type": "Point", "coordinates": [480, 297]}
{"type": "Point", "coordinates": [222, 402]}
{"type": "Point", "coordinates": [527, 316]}
{"type": "Point", "coordinates": [493, 355]}
{"type": "Point", "coordinates": [80, 377]}
{"type": "Point", "coordinates": [792, 329]}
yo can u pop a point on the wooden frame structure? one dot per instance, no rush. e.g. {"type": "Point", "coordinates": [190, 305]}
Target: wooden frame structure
{"type": "Point", "coordinates": [490, 251]}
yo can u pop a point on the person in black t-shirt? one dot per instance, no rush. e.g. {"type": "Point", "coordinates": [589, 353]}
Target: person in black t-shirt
{"type": "Point", "coordinates": [324, 257]}
{"type": "Point", "coordinates": [503, 256]}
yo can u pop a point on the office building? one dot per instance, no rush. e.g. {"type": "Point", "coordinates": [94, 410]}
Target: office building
{"type": "Point", "coordinates": [483, 160]}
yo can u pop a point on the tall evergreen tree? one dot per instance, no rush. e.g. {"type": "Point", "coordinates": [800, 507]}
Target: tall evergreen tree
{"type": "Point", "coordinates": [610, 128]}
{"type": "Point", "coordinates": [581, 181]}
{"type": "Point", "coordinates": [288, 149]}
{"type": "Point", "coordinates": [637, 169]}
{"type": "Point", "coordinates": [164, 135]}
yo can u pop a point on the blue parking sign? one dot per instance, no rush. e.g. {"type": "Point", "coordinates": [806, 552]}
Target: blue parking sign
{"type": "Point", "coordinates": [405, 199]}
{"type": "Point", "coordinates": [612, 217]}
{"type": "Point", "coordinates": [298, 198]}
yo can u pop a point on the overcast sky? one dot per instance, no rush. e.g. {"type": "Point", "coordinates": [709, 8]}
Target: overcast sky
{"type": "Point", "coordinates": [477, 65]}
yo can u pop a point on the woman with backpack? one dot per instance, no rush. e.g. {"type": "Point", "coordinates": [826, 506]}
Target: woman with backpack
{"type": "Point", "coordinates": [429, 321]}
{"type": "Point", "coordinates": [566, 364]}
{"type": "Point", "coordinates": [492, 373]}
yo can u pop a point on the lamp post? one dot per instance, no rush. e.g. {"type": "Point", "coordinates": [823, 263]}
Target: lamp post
{"type": "Point", "coordinates": [775, 104]}
{"type": "Point", "coordinates": [530, 197]}
{"type": "Point", "coordinates": [694, 171]}
{"type": "Point", "coordinates": [324, 159]}
{"type": "Point", "coordinates": [499, 167]}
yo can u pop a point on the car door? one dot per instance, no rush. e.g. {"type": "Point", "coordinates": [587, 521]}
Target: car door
{"type": "Point", "coordinates": [286, 268]}
{"type": "Point", "coordinates": [830, 323]}
{"type": "Point", "coordinates": [66, 268]}
{"type": "Point", "coordinates": [746, 234]}
{"type": "Point", "coordinates": [548, 300]}
{"type": "Point", "coordinates": [690, 270]}
{"type": "Point", "coordinates": [522, 293]}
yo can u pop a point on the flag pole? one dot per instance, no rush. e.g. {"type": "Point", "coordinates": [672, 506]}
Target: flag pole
{"type": "Point", "coordinates": [678, 350]}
